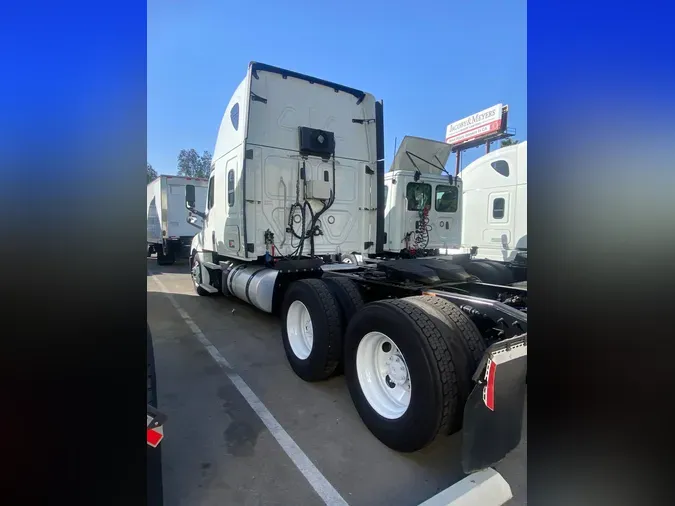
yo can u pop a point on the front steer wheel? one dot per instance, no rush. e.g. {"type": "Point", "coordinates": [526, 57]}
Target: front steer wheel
{"type": "Point", "coordinates": [311, 329]}
{"type": "Point", "coordinates": [400, 374]}
{"type": "Point", "coordinates": [196, 276]}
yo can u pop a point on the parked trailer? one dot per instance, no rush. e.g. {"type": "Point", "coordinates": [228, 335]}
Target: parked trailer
{"type": "Point", "coordinates": [169, 232]}
{"type": "Point", "coordinates": [420, 339]}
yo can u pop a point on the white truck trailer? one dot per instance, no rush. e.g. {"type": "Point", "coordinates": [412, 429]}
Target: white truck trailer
{"type": "Point", "coordinates": [169, 232]}
{"type": "Point", "coordinates": [299, 181]}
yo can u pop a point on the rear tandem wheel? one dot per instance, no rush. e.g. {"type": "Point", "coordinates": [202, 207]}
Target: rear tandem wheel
{"type": "Point", "coordinates": [311, 329]}
{"type": "Point", "coordinates": [401, 373]}
{"type": "Point", "coordinates": [349, 299]}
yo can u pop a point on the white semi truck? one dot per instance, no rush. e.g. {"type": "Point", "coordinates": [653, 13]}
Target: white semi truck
{"type": "Point", "coordinates": [298, 183]}
{"type": "Point", "coordinates": [423, 209]}
{"type": "Point", "coordinates": [169, 232]}
{"type": "Point", "coordinates": [429, 212]}
{"type": "Point", "coordinates": [495, 204]}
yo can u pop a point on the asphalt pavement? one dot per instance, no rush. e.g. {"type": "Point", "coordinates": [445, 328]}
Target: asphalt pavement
{"type": "Point", "coordinates": [221, 443]}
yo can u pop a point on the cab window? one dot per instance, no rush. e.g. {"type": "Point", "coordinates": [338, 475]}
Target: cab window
{"type": "Point", "coordinates": [419, 196]}
{"type": "Point", "coordinates": [230, 188]}
{"type": "Point", "coordinates": [209, 203]}
{"type": "Point", "coordinates": [498, 208]}
{"type": "Point", "coordinates": [446, 198]}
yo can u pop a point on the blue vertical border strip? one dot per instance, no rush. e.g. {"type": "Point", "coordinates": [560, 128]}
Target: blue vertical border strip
{"type": "Point", "coordinates": [72, 155]}
{"type": "Point", "coordinates": [601, 123]}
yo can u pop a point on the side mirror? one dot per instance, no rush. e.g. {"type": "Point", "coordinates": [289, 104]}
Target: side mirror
{"type": "Point", "coordinates": [190, 196]}
{"type": "Point", "coordinates": [192, 220]}
{"type": "Point", "coordinates": [190, 202]}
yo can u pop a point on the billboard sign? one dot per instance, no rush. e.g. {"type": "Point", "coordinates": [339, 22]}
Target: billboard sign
{"type": "Point", "coordinates": [481, 124]}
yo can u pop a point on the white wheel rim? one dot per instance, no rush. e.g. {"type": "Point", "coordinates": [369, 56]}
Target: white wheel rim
{"type": "Point", "coordinates": [299, 329]}
{"type": "Point", "coordinates": [347, 261]}
{"type": "Point", "coordinates": [383, 375]}
{"type": "Point", "coordinates": [196, 272]}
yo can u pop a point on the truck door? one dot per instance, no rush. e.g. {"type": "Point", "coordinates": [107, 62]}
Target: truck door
{"type": "Point", "coordinates": [417, 222]}
{"type": "Point", "coordinates": [210, 218]}
{"type": "Point", "coordinates": [497, 235]}
{"type": "Point", "coordinates": [446, 222]}
{"type": "Point", "coordinates": [253, 202]}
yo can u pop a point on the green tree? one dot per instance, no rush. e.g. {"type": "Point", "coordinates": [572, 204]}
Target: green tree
{"type": "Point", "coordinates": [509, 142]}
{"type": "Point", "coordinates": [190, 164]}
{"type": "Point", "coordinates": [206, 163]}
{"type": "Point", "coordinates": [152, 173]}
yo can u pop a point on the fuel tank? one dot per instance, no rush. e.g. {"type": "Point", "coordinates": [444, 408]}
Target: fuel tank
{"type": "Point", "coordinates": [253, 284]}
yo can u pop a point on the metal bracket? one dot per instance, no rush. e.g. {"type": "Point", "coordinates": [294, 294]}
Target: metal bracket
{"type": "Point", "coordinates": [158, 418]}
{"type": "Point", "coordinates": [257, 98]}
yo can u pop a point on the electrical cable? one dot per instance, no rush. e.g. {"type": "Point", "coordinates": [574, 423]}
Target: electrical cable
{"type": "Point", "coordinates": [313, 230]}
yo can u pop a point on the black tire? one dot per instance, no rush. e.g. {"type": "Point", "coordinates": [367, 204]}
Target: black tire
{"type": "Point", "coordinates": [464, 341]}
{"type": "Point", "coordinates": [194, 261]}
{"type": "Point", "coordinates": [350, 258]}
{"type": "Point", "coordinates": [347, 294]}
{"type": "Point", "coordinates": [154, 455]}
{"type": "Point", "coordinates": [454, 316]}
{"type": "Point", "coordinates": [149, 251]}
{"type": "Point", "coordinates": [506, 277]}
{"type": "Point", "coordinates": [163, 259]}
{"type": "Point", "coordinates": [483, 271]}
{"type": "Point", "coordinates": [435, 393]}
{"type": "Point", "coordinates": [349, 299]}
{"type": "Point", "coordinates": [324, 312]}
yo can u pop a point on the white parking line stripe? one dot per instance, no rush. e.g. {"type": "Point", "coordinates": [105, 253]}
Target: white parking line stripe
{"type": "Point", "coordinates": [483, 488]}
{"type": "Point", "coordinates": [318, 481]}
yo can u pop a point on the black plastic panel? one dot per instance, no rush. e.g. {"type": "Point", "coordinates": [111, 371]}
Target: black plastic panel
{"type": "Point", "coordinates": [316, 142]}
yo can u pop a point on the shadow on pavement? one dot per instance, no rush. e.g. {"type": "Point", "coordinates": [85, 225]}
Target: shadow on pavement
{"type": "Point", "coordinates": [221, 444]}
{"type": "Point", "coordinates": [179, 267]}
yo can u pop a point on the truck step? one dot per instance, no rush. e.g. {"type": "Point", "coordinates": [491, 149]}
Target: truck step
{"type": "Point", "coordinates": [211, 265]}
{"type": "Point", "coordinates": [208, 288]}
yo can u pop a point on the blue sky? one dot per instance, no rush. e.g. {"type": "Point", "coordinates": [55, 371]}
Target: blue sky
{"type": "Point", "coordinates": [432, 62]}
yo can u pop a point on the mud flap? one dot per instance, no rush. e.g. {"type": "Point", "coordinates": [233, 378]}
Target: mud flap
{"type": "Point", "coordinates": [155, 429]}
{"type": "Point", "coordinates": [493, 414]}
